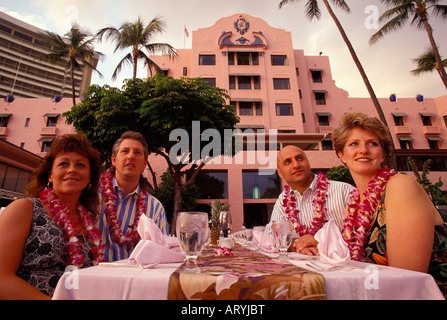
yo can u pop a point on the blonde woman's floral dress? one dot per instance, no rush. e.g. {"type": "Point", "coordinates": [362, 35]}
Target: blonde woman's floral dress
{"type": "Point", "coordinates": [376, 251]}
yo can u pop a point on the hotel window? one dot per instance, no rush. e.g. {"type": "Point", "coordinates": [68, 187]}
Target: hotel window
{"type": "Point", "coordinates": [426, 119]}
{"type": "Point", "coordinates": [433, 142]}
{"type": "Point", "coordinates": [27, 122]}
{"type": "Point", "coordinates": [406, 142]}
{"type": "Point", "coordinates": [245, 108]}
{"type": "Point", "coordinates": [257, 186]}
{"type": "Point", "coordinates": [244, 82]}
{"type": "Point", "coordinates": [323, 119]}
{"type": "Point", "coordinates": [316, 76]}
{"type": "Point", "coordinates": [320, 97]}
{"type": "Point", "coordinates": [399, 119]}
{"type": "Point", "coordinates": [211, 81]}
{"type": "Point", "coordinates": [207, 59]}
{"type": "Point", "coordinates": [212, 184]}
{"type": "Point", "coordinates": [279, 60]}
{"type": "Point", "coordinates": [326, 143]}
{"type": "Point", "coordinates": [52, 121]}
{"type": "Point", "coordinates": [4, 118]}
{"type": "Point", "coordinates": [281, 84]}
{"type": "Point", "coordinates": [284, 109]}
{"type": "Point", "coordinates": [185, 71]}
{"type": "Point", "coordinates": [46, 144]}
{"type": "Point", "coordinates": [243, 58]}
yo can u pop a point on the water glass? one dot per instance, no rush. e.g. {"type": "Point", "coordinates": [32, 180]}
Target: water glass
{"type": "Point", "coordinates": [193, 232]}
{"type": "Point", "coordinates": [282, 233]}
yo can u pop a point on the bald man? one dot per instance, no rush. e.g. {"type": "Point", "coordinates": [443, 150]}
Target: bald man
{"type": "Point", "coordinates": [294, 168]}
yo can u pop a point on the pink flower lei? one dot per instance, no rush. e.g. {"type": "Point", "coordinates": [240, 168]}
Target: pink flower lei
{"type": "Point", "coordinates": [358, 219]}
{"type": "Point", "coordinates": [110, 210]}
{"type": "Point", "coordinates": [59, 212]}
{"type": "Point", "coordinates": [289, 202]}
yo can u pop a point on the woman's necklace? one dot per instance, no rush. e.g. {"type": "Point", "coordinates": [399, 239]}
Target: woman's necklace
{"type": "Point", "coordinates": [358, 219]}
{"type": "Point", "coordinates": [110, 210]}
{"type": "Point", "coordinates": [60, 215]}
{"type": "Point", "coordinates": [289, 203]}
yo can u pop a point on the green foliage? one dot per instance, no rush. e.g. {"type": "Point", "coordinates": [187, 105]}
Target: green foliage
{"type": "Point", "coordinates": [340, 173]}
{"type": "Point", "coordinates": [165, 194]}
{"type": "Point", "coordinates": [433, 190]}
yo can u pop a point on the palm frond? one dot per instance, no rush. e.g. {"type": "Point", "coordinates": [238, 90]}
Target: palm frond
{"type": "Point", "coordinates": [341, 4]}
{"type": "Point", "coordinates": [394, 24]}
{"type": "Point", "coordinates": [127, 60]}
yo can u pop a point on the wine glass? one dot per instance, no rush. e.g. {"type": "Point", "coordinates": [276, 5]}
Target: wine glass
{"type": "Point", "coordinates": [282, 233]}
{"type": "Point", "coordinates": [192, 233]}
{"type": "Point", "coordinates": [224, 222]}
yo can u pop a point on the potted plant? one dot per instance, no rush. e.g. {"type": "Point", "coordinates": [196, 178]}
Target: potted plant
{"type": "Point", "coordinates": [216, 208]}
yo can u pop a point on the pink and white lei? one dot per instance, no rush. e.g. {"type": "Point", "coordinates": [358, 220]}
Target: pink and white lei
{"type": "Point", "coordinates": [223, 251]}
{"type": "Point", "coordinates": [110, 199]}
{"type": "Point", "coordinates": [59, 212]}
{"type": "Point", "coordinates": [357, 222]}
{"type": "Point", "coordinates": [289, 203]}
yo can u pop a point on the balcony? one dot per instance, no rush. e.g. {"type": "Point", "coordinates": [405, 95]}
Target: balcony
{"type": "Point", "coordinates": [48, 131]}
{"type": "Point", "coordinates": [325, 129]}
{"type": "Point", "coordinates": [402, 130]}
{"type": "Point", "coordinates": [429, 130]}
{"type": "Point", "coordinates": [3, 131]}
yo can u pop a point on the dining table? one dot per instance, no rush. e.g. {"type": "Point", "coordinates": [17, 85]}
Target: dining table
{"type": "Point", "coordinates": [246, 273]}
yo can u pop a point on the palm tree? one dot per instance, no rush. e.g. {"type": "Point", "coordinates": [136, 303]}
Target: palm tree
{"type": "Point", "coordinates": [427, 62]}
{"type": "Point", "coordinates": [313, 12]}
{"type": "Point", "coordinates": [137, 36]}
{"type": "Point", "coordinates": [75, 49]}
{"type": "Point", "coordinates": [419, 10]}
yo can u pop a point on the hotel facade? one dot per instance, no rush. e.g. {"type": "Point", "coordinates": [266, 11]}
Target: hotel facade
{"type": "Point", "coordinates": [279, 92]}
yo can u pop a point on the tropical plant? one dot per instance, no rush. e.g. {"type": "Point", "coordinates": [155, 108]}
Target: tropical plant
{"type": "Point", "coordinates": [137, 36]}
{"type": "Point", "coordinates": [156, 107]}
{"type": "Point", "coordinates": [427, 63]}
{"type": "Point", "coordinates": [75, 49]}
{"type": "Point", "coordinates": [216, 207]}
{"type": "Point", "coordinates": [313, 12]}
{"type": "Point", "coordinates": [340, 173]}
{"type": "Point", "coordinates": [433, 190]}
{"type": "Point", "coordinates": [418, 11]}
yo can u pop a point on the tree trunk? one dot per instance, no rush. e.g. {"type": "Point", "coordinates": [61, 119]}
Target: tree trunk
{"type": "Point", "coordinates": [73, 91]}
{"type": "Point", "coordinates": [135, 62]}
{"type": "Point", "coordinates": [439, 66]}
{"type": "Point", "coordinates": [392, 163]}
{"type": "Point", "coordinates": [177, 199]}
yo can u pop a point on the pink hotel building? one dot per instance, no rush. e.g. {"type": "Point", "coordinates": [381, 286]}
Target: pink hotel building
{"type": "Point", "coordinates": [274, 87]}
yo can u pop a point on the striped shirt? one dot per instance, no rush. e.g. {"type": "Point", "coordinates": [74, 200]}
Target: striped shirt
{"type": "Point", "coordinates": [338, 196]}
{"type": "Point", "coordinates": [126, 211]}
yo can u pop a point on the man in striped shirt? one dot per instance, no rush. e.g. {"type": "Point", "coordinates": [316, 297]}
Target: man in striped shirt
{"type": "Point", "coordinates": [293, 166]}
{"type": "Point", "coordinates": [124, 198]}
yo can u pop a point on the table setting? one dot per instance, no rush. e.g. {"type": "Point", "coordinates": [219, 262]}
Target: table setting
{"type": "Point", "coordinates": [246, 265]}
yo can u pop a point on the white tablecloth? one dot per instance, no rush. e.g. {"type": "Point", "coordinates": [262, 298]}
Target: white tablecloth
{"type": "Point", "coordinates": [357, 281]}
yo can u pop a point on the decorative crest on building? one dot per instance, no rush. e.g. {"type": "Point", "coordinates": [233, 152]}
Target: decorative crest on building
{"type": "Point", "coordinates": [241, 25]}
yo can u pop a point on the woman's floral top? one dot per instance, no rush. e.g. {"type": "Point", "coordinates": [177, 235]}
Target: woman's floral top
{"type": "Point", "coordinates": [376, 252]}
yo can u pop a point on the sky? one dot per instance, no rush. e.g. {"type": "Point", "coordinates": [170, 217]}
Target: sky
{"type": "Point", "coordinates": [387, 63]}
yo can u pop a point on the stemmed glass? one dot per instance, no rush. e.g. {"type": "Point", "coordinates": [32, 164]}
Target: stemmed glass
{"type": "Point", "coordinates": [282, 233]}
{"type": "Point", "coordinates": [192, 233]}
{"type": "Point", "coordinates": [225, 222]}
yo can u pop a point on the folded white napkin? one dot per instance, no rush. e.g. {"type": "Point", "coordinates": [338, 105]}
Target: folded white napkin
{"type": "Point", "coordinates": [331, 246]}
{"type": "Point", "coordinates": [266, 242]}
{"type": "Point", "coordinates": [154, 246]}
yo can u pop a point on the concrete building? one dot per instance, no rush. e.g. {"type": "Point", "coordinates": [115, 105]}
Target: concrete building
{"type": "Point", "coordinates": [23, 75]}
{"type": "Point", "coordinates": [274, 87]}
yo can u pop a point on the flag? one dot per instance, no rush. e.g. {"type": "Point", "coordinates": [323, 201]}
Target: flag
{"type": "Point", "coordinates": [186, 32]}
